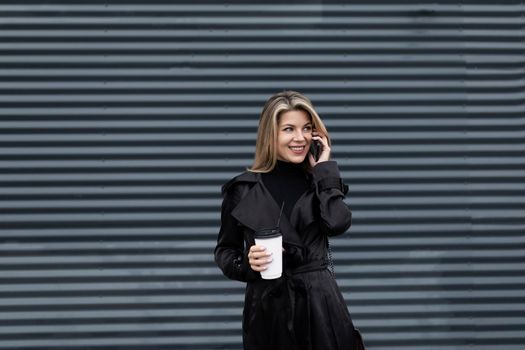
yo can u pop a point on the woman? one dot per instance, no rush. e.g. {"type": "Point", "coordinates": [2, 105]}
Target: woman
{"type": "Point", "coordinates": [304, 308]}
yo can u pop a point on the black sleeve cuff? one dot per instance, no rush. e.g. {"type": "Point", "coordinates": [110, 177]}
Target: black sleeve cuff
{"type": "Point", "coordinates": [243, 266]}
{"type": "Point", "coordinates": [332, 182]}
{"type": "Point", "coordinates": [326, 176]}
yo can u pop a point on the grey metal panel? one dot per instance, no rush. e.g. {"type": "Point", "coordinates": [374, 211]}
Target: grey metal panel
{"type": "Point", "coordinates": [119, 122]}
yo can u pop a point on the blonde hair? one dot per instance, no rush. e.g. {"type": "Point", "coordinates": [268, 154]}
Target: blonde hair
{"type": "Point", "coordinates": [282, 102]}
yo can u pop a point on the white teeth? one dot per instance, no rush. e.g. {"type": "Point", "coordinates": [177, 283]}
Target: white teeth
{"type": "Point", "coordinates": [298, 148]}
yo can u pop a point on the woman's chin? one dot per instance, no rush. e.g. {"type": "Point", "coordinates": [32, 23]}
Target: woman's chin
{"type": "Point", "coordinates": [296, 159]}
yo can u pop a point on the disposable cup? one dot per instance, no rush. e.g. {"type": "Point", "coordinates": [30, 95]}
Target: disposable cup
{"type": "Point", "coordinates": [272, 240]}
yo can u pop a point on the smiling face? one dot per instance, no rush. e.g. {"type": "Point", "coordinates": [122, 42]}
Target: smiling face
{"type": "Point", "coordinates": [294, 136]}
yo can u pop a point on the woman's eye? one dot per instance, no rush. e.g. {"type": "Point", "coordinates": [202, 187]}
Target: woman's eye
{"type": "Point", "coordinates": [308, 128]}
{"type": "Point", "coordinates": [288, 129]}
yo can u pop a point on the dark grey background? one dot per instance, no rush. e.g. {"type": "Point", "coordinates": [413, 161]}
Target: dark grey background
{"type": "Point", "coordinates": [120, 121]}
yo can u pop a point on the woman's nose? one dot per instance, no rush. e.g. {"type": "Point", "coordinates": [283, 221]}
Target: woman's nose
{"type": "Point", "coordinates": [299, 136]}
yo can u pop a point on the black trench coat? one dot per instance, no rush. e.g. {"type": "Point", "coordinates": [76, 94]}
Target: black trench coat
{"type": "Point", "coordinates": [303, 309]}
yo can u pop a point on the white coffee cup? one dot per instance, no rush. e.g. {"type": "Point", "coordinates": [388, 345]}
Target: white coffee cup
{"type": "Point", "coordinates": [272, 240]}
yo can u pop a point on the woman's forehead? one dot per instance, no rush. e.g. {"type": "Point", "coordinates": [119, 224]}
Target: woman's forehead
{"type": "Point", "coordinates": [295, 117]}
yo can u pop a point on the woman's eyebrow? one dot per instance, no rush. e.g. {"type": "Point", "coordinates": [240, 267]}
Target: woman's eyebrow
{"type": "Point", "coordinates": [282, 126]}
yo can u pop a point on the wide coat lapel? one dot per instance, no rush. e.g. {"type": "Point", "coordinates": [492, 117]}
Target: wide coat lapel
{"type": "Point", "coordinates": [258, 210]}
{"type": "Point", "coordinates": [303, 212]}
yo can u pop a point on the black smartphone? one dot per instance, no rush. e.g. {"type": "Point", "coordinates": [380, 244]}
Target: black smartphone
{"type": "Point", "coordinates": [315, 149]}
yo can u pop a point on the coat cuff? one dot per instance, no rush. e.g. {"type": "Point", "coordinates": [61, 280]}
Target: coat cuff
{"type": "Point", "coordinates": [244, 267]}
{"type": "Point", "coordinates": [326, 176]}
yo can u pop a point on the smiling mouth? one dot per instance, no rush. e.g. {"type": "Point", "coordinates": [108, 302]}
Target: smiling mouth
{"type": "Point", "coordinates": [297, 149]}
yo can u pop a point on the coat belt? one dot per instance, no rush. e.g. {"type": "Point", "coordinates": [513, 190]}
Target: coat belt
{"type": "Point", "coordinates": [314, 265]}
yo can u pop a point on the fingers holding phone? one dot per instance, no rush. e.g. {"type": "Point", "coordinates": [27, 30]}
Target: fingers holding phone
{"type": "Point", "coordinates": [319, 149]}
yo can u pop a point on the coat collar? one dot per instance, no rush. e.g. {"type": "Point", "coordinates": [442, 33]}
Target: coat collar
{"type": "Point", "coordinates": [258, 210]}
{"type": "Point", "coordinates": [247, 176]}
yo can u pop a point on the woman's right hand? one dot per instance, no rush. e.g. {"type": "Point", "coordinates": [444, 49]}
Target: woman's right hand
{"type": "Point", "coordinates": [259, 258]}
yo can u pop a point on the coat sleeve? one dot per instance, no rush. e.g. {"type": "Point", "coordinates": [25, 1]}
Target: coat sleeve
{"type": "Point", "coordinates": [230, 253]}
{"type": "Point", "coordinates": [336, 216]}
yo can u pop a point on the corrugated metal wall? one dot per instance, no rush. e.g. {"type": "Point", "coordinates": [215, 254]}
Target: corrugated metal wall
{"type": "Point", "coordinates": [119, 122]}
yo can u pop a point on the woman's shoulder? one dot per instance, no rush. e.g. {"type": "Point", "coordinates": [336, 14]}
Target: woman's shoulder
{"type": "Point", "coordinates": [246, 177]}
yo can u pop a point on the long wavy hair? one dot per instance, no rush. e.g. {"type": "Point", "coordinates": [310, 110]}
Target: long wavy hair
{"type": "Point", "coordinates": [266, 145]}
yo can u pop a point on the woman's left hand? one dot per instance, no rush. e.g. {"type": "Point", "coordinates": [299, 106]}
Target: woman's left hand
{"type": "Point", "coordinates": [325, 149]}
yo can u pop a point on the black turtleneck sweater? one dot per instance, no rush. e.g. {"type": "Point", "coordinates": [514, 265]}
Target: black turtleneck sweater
{"type": "Point", "coordinates": [286, 183]}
